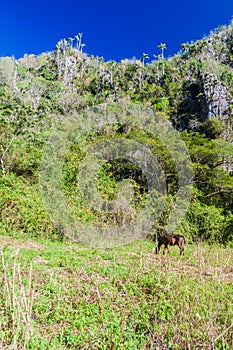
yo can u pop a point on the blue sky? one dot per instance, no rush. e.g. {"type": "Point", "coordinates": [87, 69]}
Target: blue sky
{"type": "Point", "coordinates": [112, 29]}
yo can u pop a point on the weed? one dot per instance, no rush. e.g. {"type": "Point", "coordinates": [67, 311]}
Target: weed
{"type": "Point", "coordinates": [68, 297]}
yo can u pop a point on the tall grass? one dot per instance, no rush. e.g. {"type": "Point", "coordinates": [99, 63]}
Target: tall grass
{"type": "Point", "coordinates": [17, 298]}
{"type": "Point", "coordinates": [123, 298]}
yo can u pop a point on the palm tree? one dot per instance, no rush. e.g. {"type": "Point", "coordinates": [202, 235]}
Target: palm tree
{"type": "Point", "coordinates": [145, 56]}
{"type": "Point", "coordinates": [185, 47]}
{"type": "Point", "coordinates": [79, 44]}
{"type": "Point", "coordinates": [162, 47]}
{"type": "Point", "coordinates": [71, 41]}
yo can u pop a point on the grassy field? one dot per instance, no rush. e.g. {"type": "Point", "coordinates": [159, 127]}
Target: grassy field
{"type": "Point", "coordinates": [65, 296]}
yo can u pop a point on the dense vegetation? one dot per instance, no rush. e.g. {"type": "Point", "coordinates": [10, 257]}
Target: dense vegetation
{"type": "Point", "coordinates": [56, 294]}
{"type": "Point", "coordinates": [61, 296]}
{"type": "Point", "coordinates": [38, 92]}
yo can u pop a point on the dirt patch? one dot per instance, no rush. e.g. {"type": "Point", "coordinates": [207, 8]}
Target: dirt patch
{"type": "Point", "coordinates": [19, 243]}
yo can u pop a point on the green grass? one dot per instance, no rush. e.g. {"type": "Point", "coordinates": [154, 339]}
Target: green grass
{"type": "Point", "coordinates": [65, 296]}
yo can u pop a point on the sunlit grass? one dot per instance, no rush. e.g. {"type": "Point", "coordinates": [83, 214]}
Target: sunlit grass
{"type": "Point", "coordinates": [122, 298]}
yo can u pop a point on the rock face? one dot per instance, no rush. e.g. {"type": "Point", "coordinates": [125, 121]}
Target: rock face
{"type": "Point", "coordinates": [204, 98]}
{"type": "Point", "coordinates": [194, 108]}
{"type": "Point", "coordinates": [208, 91]}
{"type": "Point", "coordinates": [217, 97]}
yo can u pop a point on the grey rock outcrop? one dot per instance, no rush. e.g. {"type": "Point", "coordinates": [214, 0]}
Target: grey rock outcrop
{"type": "Point", "coordinates": [217, 97]}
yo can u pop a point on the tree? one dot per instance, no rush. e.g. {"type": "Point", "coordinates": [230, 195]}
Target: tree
{"type": "Point", "coordinates": [79, 44]}
{"type": "Point", "coordinates": [162, 47]}
{"type": "Point", "coordinates": [71, 41]}
{"type": "Point", "coordinates": [145, 56]}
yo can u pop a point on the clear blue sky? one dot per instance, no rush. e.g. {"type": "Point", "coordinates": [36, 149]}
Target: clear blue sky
{"type": "Point", "coordinates": [112, 29]}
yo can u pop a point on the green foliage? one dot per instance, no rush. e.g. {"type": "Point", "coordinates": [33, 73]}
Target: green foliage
{"type": "Point", "coordinates": [22, 211]}
{"type": "Point", "coordinates": [57, 296]}
{"type": "Point", "coordinates": [213, 128]}
{"type": "Point", "coordinates": [122, 299]}
{"type": "Point", "coordinates": [38, 92]}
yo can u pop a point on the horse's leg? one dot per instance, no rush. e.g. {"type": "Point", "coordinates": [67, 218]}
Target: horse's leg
{"type": "Point", "coordinates": [181, 248]}
{"type": "Point", "coordinates": [158, 248]}
{"type": "Point", "coordinates": [165, 248]}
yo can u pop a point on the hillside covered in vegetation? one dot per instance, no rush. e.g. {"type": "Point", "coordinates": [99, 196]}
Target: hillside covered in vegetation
{"type": "Point", "coordinates": [193, 91]}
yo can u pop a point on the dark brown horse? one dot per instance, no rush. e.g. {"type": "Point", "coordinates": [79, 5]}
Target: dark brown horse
{"type": "Point", "coordinates": [171, 239]}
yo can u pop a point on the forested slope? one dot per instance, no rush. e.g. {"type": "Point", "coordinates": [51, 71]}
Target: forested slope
{"type": "Point", "coordinates": [193, 91]}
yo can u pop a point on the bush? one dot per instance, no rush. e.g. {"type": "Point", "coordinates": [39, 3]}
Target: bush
{"type": "Point", "coordinates": [22, 210]}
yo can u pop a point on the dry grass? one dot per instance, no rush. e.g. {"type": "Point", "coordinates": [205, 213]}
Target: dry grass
{"type": "Point", "coordinates": [18, 298]}
{"type": "Point", "coordinates": [69, 297]}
